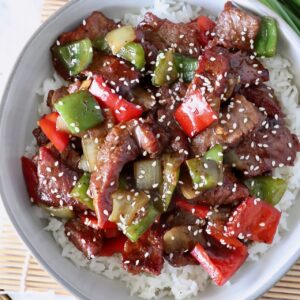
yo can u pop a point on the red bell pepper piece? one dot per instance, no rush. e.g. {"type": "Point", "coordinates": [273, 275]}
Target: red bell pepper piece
{"type": "Point", "coordinates": [58, 138]}
{"type": "Point", "coordinates": [200, 211]}
{"type": "Point", "coordinates": [112, 246]}
{"type": "Point", "coordinates": [194, 114]}
{"type": "Point", "coordinates": [31, 178]}
{"type": "Point", "coordinates": [206, 26]}
{"type": "Point", "coordinates": [255, 220]}
{"type": "Point", "coordinates": [221, 257]}
{"type": "Point", "coordinates": [123, 110]}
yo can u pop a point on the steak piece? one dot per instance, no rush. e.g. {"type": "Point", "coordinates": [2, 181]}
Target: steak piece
{"type": "Point", "coordinates": [237, 120]}
{"type": "Point", "coordinates": [56, 180]}
{"type": "Point", "coordinates": [264, 97]}
{"type": "Point", "coordinates": [230, 192]}
{"type": "Point", "coordinates": [236, 28]}
{"type": "Point", "coordinates": [40, 137]}
{"type": "Point", "coordinates": [164, 34]}
{"type": "Point", "coordinates": [85, 238]}
{"type": "Point", "coordinates": [145, 255]}
{"type": "Point", "coordinates": [97, 25]}
{"type": "Point", "coordinates": [265, 149]}
{"type": "Point", "coordinates": [119, 73]}
{"type": "Point", "coordinates": [118, 149]}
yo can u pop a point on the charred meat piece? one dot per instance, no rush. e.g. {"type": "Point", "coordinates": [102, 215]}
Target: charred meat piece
{"type": "Point", "coordinates": [119, 74]}
{"type": "Point", "coordinates": [85, 238]}
{"type": "Point", "coordinates": [56, 180]}
{"type": "Point", "coordinates": [145, 255]}
{"type": "Point", "coordinates": [236, 28]}
{"type": "Point", "coordinates": [55, 95]}
{"type": "Point", "coordinates": [264, 97]}
{"type": "Point", "coordinates": [97, 25]}
{"type": "Point", "coordinates": [118, 149]}
{"type": "Point", "coordinates": [265, 149]}
{"type": "Point", "coordinates": [230, 192]}
{"type": "Point", "coordinates": [163, 34]}
{"type": "Point", "coordinates": [40, 137]}
{"type": "Point", "coordinates": [248, 70]}
{"type": "Point", "coordinates": [237, 120]}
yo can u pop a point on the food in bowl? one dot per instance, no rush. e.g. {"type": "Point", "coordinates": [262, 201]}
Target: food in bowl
{"type": "Point", "coordinates": [161, 146]}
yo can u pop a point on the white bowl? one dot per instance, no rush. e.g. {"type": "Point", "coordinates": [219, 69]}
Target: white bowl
{"type": "Point", "coordinates": [18, 115]}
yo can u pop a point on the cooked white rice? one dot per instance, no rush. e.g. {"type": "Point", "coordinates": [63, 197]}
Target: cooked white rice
{"type": "Point", "coordinates": [187, 281]}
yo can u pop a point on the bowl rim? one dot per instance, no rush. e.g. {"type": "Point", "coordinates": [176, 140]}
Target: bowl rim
{"type": "Point", "coordinates": [71, 288]}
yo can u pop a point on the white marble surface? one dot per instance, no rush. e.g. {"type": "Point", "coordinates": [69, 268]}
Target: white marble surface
{"type": "Point", "coordinates": [18, 20]}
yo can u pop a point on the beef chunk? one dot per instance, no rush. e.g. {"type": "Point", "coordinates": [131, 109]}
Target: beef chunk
{"type": "Point", "coordinates": [119, 74]}
{"type": "Point", "coordinates": [236, 28]}
{"type": "Point", "coordinates": [145, 255]}
{"type": "Point", "coordinates": [265, 149]}
{"type": "Point", "coordinates": [248, 70]}
{"type": "Point", "coordinates": [238, 119]}
{"type": "Point", "coordinates": [264, 97]}
{"type": "Point", "coordinates": [55, 95]}
{"type": "Point", "coordinates": [118, 149]}
{"type": "Point", "coordinates": [163, 34]}
{"type": "Point", "coordinates": [230, 192]}
{"type": "Point", "coordinates": [97, 25]}
{"type": "Point", "coordinates": [40, 137]}
{"type": "Point", "coordinates": [56, 180]}
{"type": "Point", "coordinates": [85, 238]}
{"type": "Point", "coordinates": [204, 141]}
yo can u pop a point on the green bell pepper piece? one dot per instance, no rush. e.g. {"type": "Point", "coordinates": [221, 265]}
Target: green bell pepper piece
{"type": "Point", "coordinates": [267, 188]}
{"type": "Point", "coordinates": [80, 111]}
{"type": "Point", "coordinates": [205, 173]}
{"type": "Point", "coordinates": [186, 66]}
{"type": "Point", "coordinates": [59, 212]}
{"type": "Point", "coordinates": [101, 45]}
{"type": "Point", "coordinates": [134, 53]}
{"type": "Point", "coordinates": [267, 38]}
{"type": "Point", "coordinates": [165, 71]}
{"type": "Point", "coordinates": [76, 56]}
{"type": "Point", "coordinates": [79, 191]}
{"type": "Point", "coordinates": [215, 154]}
{"type": "Point", "coordinates": [136, 229]}
{"type": "Point", "coordinates": [171, 169]}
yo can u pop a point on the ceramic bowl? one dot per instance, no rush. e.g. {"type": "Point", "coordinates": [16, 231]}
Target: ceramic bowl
{"type": "Point", "coordinates": [18, 117]}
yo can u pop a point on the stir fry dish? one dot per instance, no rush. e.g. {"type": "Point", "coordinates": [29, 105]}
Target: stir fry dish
{"type": "Point", "coordinates": [162, 144]}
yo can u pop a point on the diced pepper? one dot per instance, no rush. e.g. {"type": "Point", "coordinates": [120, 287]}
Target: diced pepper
{"type": "Point", "coordinates": [267, 38]}
{"type": "Point", "coordinates": [119, 37]}
{"type": "Point", "coordinates": [123, 210]}
{"type": "Point", "coordinates": [147, 174]}
{"type": "Point", "coordinates": [215, 154]}
{"type": "Point", "coordinates": [80, 111]}
{"type": "Point", "coordinates": [200, 211]}
{"type": "Point", "coordinates": [134, 53]}
{"type": "Point", "coordinates": [59, 212]}
{"type": "Point", "coordinates": [254, 220]}
{"type": "Point", "coordinates": [186, 66]}
{"type": "Point", "coordinates": [267, 188]}
{"type": "Point", "coordinates": [101, 45]}
{"type": "Point", "coordinates": [186, 188]}
{"type": "Point", "coordinates": [222, 257]}
{"type": "Point", "coordinates": [165, 71]}
{"type": "Point", "coordinates": [59, 139]}
{"type": "Point", "coordinates": [88, 218]}
{"type": "Point", "coordinates": [136, 229]}
{"type": "Point", "coordinates": [31, 178]}
{"type": "Point", "coordinates": [79, 191]}
{"type": "Point", "coordinates": [75, 57]}
{"type": "Point", "coordinates": [122, 109]}
{"type": "Point", "coordinates": [206, 26]}
{"type": "Point", "coordinates": [205, 173]}
{"type": "Point", "coordinates": [194, 114]}
{"type": "Point", "coordinates": [171, 170]}
{"type": "Point", "coordinates": [113, 246]}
